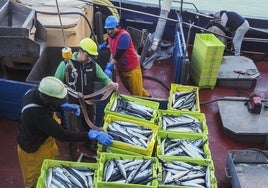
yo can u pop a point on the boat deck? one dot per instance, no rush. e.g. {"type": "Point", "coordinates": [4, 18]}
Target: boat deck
{"type": "Point", "coordinates": [220, 142]}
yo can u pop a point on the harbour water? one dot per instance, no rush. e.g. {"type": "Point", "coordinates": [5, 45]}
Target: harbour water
{"type": "Point", "coordinates": [246, 8]}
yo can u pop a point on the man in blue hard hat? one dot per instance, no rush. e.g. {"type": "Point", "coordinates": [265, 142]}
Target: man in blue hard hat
{"type": "Point", "coordinates": [236, 24]}
{"type": "Point", "coordinates": [38, 128]}
{"type": "Point", "coordinates": [124, 57]}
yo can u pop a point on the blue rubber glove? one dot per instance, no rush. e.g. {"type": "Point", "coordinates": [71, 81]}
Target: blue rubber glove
{"type": "Point", "coordinates": [101, 137]}
{"type": "Point", "coordinates": [108, 69]}
{"type": "Point", "coordinates": [102, 46]}
{"type": "Point", "coordinates": [71, 107]}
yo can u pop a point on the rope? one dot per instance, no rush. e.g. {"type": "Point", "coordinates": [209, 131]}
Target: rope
{"type": "Point", "coordinates": [87, 99]}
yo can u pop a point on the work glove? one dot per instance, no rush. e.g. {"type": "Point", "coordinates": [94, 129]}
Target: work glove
{"type": "Point", "coordinates": [101, 137]}
{"type": "Point", "coordinates": [108, 69]}
{"type": "Point", "coordinates": [102, 46]}
{"type": "Point", "coordinates": [71, 107]}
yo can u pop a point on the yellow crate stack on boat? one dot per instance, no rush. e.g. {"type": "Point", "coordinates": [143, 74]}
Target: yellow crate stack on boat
{"type": "Point", "coordinates": [206, 58]}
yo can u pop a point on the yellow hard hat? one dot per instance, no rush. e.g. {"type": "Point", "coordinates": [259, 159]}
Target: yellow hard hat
{"type": "Point", "coordinates": [88, 45]}
{"type": "Point", "coordinates": [52, 87]}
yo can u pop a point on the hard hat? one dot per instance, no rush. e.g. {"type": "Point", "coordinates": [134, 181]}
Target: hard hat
{"type": "Point", "coordinates": [88, 45]}
{"type": "Point", "coordinates": [111, 22]}
{"type": "Point", "coordinates": [52, 87]}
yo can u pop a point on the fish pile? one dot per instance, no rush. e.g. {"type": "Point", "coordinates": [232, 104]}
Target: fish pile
{"type": "Point", "coordinates": [130, 133]}
{"type": "Point", "coordinates": [181, 173]}
{"type": "Point", "coordinates": [184, 100]}
{"type": "Point", "coordinates": [125, 106]}
{"type": "Point", "coordinates": [129, 171]}
{"type": "Point", "coordinates": [182, 123]}
{"type": "Point", "coordinates": [183, 147]}
{"type": "Point", "coordinates": [69, 177]}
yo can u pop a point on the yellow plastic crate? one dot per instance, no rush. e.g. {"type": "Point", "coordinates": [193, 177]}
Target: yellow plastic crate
{"type": "Point", "coordinates": [161, 135]}
{"type": "Point", "coordinates": [128, 147]}
{"type": "Point", "coordinates": [206, 163]}
{"type": "Point", "coordinates": [183, 88]}
{"type": "Point", "coordinates": [107, 156]}
{"type": "Point", "coordinates": [47, 163]}
{"type": "Point", "coordinates": [109, 109]}
{"type": "Point", "coordinates": [199, 116]}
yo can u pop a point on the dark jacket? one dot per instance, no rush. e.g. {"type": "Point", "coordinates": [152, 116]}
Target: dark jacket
{"type": "Point", "coordinates": [37, 124]}
{"type": "Point", "coordinates": [234, 20]}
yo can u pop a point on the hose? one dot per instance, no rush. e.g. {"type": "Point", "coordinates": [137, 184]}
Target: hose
{"type": "Point", "coordinates": [155, 79]}
{"type": "Point", "coordinates": [225, 99]}
{"type": "Point", "coordinates": [260, 151]}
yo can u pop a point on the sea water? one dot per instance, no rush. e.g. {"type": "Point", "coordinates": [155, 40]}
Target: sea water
{"type": "Point", "coordinates": [251, 8]}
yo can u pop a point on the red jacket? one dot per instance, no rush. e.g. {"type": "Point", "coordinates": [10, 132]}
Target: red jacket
{"type": "Point", "coordinates": [129, 60]}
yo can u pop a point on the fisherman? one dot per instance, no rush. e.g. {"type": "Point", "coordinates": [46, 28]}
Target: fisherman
{"type": "Point", "coordinates": [234, 23]}
{"type": "Point", "coordinates": [124, 57]}
{"type": "Point", "coordinates": [38, 128]}
{"type": "Point", "coordinates": [81, 78]}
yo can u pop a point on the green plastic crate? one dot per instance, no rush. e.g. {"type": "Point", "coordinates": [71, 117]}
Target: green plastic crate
{"type": "Point", "coordinates": [206, 58]}
{"type": "Point", "coordinates": [183, 88]}
{"type": "Point", "coordinates": [212, 64]}
{"type": "Point", "coordinates": [47, 163]}
{"type": "Point", "coordinates": [207, 50]}
{"type": "Point", "coordinates": [203, 81]}
{"type": "Point", "coordinates": [184, 136]}
{"type": "Point", "coordinates": [200, 116]}
{"type": "Point", "coordinates": [203, 72]}
{"type": "Point", "coordinates": [110, 149]}
{"type": "Point", "coordinates": [206, 162]}
{"type": "Point", "coordinates": [128, 147]}
{"type": "Point", "coordinates": [154, 105]}
{"type": "Point", "coordinates": [107, 156]}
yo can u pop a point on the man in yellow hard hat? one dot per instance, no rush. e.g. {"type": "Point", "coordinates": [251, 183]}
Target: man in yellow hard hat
{"type": "Point", "coordinates": [87, 71]}
{"type": "Point", "coordinates": [38, 129]}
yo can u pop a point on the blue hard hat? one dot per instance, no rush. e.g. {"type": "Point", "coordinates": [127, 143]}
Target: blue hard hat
{"type": "Point", "coordinates": [111, 22]}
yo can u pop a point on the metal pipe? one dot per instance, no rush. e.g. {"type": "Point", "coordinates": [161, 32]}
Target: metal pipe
{"type": "Point", "coordinates": [58, 10]}
{"type": "Point", "coordinates": [160, 27]}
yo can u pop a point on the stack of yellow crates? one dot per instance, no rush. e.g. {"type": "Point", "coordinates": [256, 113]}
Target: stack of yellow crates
{"type": "Point", "coordinates": [206, 58]}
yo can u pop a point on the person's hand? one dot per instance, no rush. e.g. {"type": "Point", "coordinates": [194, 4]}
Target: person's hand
{"type": "Point", "coordinates": [71, 107]}
{"type": "Point", "coordinates": [114, 84]}
{"type": "Point", "coordinates": [101, 137]}
{"type": "Point", "coordinates": [102, 46]}
{"type": "Point", "coordinates": [108, 69]}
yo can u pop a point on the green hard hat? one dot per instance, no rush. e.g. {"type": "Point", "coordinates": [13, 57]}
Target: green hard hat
{"type": "Point", "coordinates": [52, 87]}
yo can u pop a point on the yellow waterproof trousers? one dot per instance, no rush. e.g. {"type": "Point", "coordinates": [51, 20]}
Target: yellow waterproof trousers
{"type": "Point", "coordinates": [132, 80]}
{"type": "Point", "coordinates": [31, 163]}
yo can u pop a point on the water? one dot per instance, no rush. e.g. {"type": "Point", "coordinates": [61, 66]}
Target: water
{"type": "Point", "coordinates": [251, 8]}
